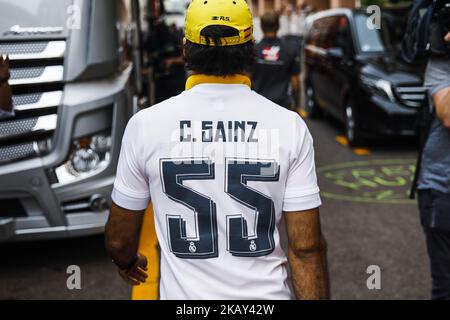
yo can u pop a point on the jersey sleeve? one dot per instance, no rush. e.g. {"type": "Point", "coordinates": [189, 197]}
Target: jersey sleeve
{"type": "Point", "coordinates": [131, 188]}
{"type": "Point", "coordinates": [302, 192]}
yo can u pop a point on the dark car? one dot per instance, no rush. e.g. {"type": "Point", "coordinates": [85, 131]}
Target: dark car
{"type": "Point", "coordinates": [354, 73]}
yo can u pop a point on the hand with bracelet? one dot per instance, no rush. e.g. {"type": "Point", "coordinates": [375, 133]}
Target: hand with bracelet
{"type": "Point", "coordinates": [135, 273]}
{"type": "Point", "coordinates": [122, 243]}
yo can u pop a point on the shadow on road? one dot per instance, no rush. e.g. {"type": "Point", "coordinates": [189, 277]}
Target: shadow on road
{"type": "Point", "coordinates": [38, 270]}
{"type": "Point", "coordinates": [52, 251]}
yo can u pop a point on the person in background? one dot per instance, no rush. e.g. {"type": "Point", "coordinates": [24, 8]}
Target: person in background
{"type": "Point", "coordinates": [434, 181]}
{"type": "Point", "coordinates": [293, 20]}
{"type": "Point", "coordinates": [166, 45]}
{"type": "Point", "coordinates": [305, 11]}
{"type": "Point", "coordinates": [276, 73]}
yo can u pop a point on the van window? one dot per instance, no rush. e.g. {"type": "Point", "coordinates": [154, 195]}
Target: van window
{"type": "Point", "coordinates": [343, 38]}
{"type": "Point", "coordinates": [322, 32]}
{"type": "Point", "coordinates": [387, 38]}
{"type": "Point", "coordinates": [313, 34]}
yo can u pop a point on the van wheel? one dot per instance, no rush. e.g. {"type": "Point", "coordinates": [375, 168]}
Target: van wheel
{"type": "Point", "coordinates": [311, 105]}
{"type": "Point", "coordinates": [352, 131]}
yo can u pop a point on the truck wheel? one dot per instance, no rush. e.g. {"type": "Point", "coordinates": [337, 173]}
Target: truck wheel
{"type": "Point", "coordinates": [311, 107]}
{"type": "Point", "coordinates": [352, 131]}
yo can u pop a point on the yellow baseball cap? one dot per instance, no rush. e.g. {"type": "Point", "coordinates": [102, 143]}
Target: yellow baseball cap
{"type": "Point", "coordinates": [232, 13]}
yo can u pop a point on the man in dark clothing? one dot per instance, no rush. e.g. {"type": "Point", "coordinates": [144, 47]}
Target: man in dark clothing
{"type": "Point", "coordinates": [166, 44]}
{"type": "Point", "coordinates": [277, 69]}
{"type": "Point", "coordinates": [434, 182]}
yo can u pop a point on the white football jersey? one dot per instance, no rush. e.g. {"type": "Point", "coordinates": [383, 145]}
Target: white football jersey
{"type": "Point", "coordinates": [220, 164]}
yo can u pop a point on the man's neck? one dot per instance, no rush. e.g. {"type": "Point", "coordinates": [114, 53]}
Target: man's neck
{"type": "Point", "coordinates": [197, 79]}
{"type": "Point", "coordinates": [270, 35]}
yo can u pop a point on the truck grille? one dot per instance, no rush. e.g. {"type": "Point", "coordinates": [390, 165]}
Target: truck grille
{"type": "Point", "coordinates": [17, 151]}
{"type": "Point", "coordinates": [28, 126]}
{"type": "Point", "coordinates": [37, 71]}
{"type": "Point", "coordinates": [34, 50]}
{"type": "Point", "coordinates": [411, 96]}
{"type": "Point", "coordinates": [26, 73]}
{"type": "Point", "coordinates": [23, 47]}
{"type": "Point", "coordinates": [26, 99]}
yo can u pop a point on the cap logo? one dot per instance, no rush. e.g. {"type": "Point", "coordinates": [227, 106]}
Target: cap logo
{"type": "Point", "coordinates": [220, 18]}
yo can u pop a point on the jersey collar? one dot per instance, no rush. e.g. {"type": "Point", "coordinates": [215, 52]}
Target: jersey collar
{"type": "Point", "coordinates": [197, 79]}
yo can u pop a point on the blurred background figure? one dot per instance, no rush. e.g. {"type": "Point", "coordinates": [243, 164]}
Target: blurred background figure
{"type": "Point", "coordinates": [165, 42]}
{"type": "Point", "coordinates": [290, 21]}
{"type": "Point", "coordinates": [276, 74]}
{"type": "Point", "coordinates": [304, 11]}
{"type": "Point", "coordinates": [295, 26]}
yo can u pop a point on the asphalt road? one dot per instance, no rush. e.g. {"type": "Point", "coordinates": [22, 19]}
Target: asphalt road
{"type": "Point", "coordinates": [375, 224]}
{"type": "Point", "coordinates": [366, 218]}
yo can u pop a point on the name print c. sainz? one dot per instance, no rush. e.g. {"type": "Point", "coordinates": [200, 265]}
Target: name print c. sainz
{"type": "Point", "coordinates": [218, 131]}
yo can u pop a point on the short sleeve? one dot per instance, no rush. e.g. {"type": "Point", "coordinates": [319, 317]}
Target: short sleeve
{"type": "Point", "coordinates": [302, 192]}
{"type": "Point", "coordinates": [437, 75]}
{"type": "Point", "coordinates": [131, 188]}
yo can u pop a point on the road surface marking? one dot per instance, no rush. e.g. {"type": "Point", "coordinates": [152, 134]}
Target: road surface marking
{"type": "Point", "coordinates": [374, 181]}
{"type": "Point", "coordinates": [361, 151]}
{"type": "Point", "coordinates": [342, 141]}
{"type": "Point", "coordinates": [358, 151]}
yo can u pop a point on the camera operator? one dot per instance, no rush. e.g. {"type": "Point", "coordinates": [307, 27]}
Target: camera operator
{"type": "Point", "coordinates": [434, 180]}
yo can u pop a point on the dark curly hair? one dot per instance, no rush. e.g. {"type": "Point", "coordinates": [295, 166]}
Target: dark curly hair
{"type": "Point", "coordinates": [219, 60]}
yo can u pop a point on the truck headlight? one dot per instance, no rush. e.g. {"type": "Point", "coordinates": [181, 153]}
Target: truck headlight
{"type": "Point", "coordinates": [88, 157]}
{"type": "Point", "coordinates": [85, 160]}
{"type": "Point", "coordinates": [378, 86]}
{"type": "Point", "coordinates": [101, 143]}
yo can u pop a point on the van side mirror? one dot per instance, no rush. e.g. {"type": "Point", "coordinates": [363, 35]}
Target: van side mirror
{"type": "Point", "coordinates": [335, 52]}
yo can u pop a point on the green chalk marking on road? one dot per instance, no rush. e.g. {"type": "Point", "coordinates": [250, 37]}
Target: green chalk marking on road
{"type": "Point", "coordinates": [372, 181]}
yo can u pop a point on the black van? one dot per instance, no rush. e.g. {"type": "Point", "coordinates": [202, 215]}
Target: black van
{"type": "Point", "coordinates": [352, 71]}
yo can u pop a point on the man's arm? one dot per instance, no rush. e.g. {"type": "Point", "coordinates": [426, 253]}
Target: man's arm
{"type": "Point", "coordinates": [307, 255]}
{"type": "Point", "coordinates": [122, 243]}
{"type": "Point", "coordinates": [442, 102]}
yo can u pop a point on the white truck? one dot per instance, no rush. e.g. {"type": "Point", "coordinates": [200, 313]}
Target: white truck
{"type": "Point", "coordinates": [75, 73]}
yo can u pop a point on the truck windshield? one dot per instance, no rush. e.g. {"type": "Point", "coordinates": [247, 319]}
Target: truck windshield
{"type": "Point", "coordinates": [385, 39]}
{"type": "Point", "coordinates": [33, 18]}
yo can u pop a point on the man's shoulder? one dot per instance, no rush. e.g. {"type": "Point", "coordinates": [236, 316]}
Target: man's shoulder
{"type": "Point", "coordinates": [271, 108]}
{"type": "Point", "coordinates": [256, 102]}
{"type": "Point", "coordinates": [161, 109]}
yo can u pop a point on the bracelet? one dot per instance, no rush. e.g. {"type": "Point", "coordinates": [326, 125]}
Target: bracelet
{"type": "Point", "coordinates": [127, 267]}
